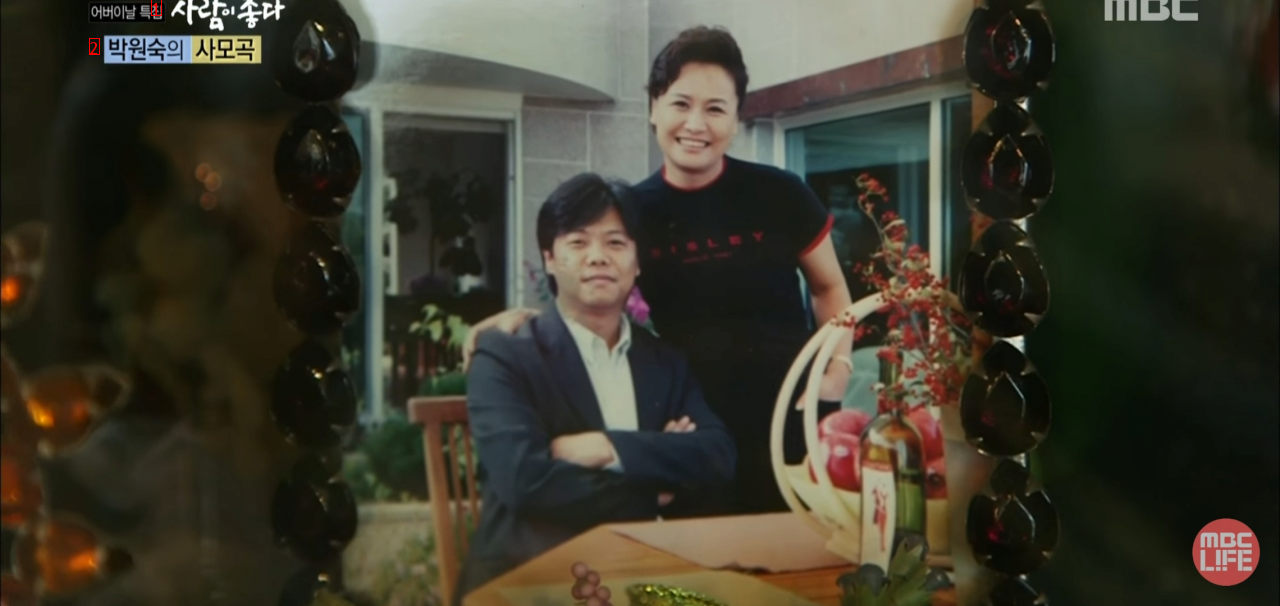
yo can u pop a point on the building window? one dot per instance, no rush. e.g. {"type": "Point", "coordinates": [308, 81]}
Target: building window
{"type": "Point", "coordinates": [910, 143]}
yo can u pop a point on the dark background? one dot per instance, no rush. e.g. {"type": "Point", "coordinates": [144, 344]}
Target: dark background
{"type": "Point", "coordinates": [1161, 345]}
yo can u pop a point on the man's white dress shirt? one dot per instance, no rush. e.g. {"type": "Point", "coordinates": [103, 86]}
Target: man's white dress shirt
{"type": "Point", "coordinates": [610, 374]}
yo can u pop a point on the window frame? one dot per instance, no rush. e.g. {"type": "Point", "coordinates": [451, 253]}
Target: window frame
{"type": "Point", "coordinates": [935, 95]}
{"type": "Point", "coordinates": [375, 101]}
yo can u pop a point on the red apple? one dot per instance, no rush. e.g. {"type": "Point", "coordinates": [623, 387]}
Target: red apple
{"type": "Point", "coordinates": [930, 432]}
{"type": "Point", "coordinates": [841, 452]}
{"type": "Point", "coordinates": [845, 421]}
{"type": "Point", "coordinates": [935, 479]}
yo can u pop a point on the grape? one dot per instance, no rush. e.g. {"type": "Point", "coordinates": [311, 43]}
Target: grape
{"type": "Point", "coordinates": [582, 590]}
{"type": "Point", "coordinates": [580, 570]}
{"type": "Point", "coordinates": [594, 602]}
{"type": "Point", "coordinates": [604, 593]}
{"type": "Point", "coordinates": [908, 541]}
{"type": "Point", "coordinates": [593, 577]}
{"type": "Point", "coordinates": [937, 579]}
{"type": "Point", "coordinates": [871, 576]}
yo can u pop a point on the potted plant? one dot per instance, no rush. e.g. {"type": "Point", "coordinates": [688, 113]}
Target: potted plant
{"type": "Point", "coordinates": [447, 334]}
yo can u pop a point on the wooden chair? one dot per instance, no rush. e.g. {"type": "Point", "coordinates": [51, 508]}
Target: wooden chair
{"type": "Point", "coordinates": [454, 491]}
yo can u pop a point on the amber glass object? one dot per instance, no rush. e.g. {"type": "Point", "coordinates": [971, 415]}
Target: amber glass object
{"type": "Point", "coordinates": [20, 495]}
{"type": "Point", "coordinates": [1008, 49]}
{"type": "Point", "coordinates": [317, 163]}
{"type": "Point", "coordinates": [63, 403]}
{"type": "Point", "coordinates": [22, 252]}
{"type": "Point", "coordinates": [14, 592]}
{"type": "Point", "coordinates": [1007, 171]}
{"type": "Point", "coordinates": [15, 425]}
{"type": "Point", "coordinates": [57, 557]}
{"type": "Point", "coordinates": [1003, 284]}
{"type": "Point", "coordinates": [316, 285]}
{"type": "Point", "coordinates": [1014, 528]}
{"type": "Point", "coordinates": [316, 50]}
{"type": "Point", "coordinates": [1004, 406]}
{"type": "Point", "coordinates": [313, 513]}
{"type": "Point", "coordinates": [314, 400]}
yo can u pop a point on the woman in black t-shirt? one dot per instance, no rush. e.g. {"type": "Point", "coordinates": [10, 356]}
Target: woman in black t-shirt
{"type": "Point", "coordinates": [721, 242]}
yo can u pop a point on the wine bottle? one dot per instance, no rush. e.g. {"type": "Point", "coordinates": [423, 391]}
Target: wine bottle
{"type": "Point", "coordinates": [892, 460]}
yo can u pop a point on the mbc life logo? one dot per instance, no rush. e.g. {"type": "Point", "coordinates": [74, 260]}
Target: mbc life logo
{"type": "Point", "coordinates": [1225, 552]}
{"type": "Point", "coordinates": [1127, 10]}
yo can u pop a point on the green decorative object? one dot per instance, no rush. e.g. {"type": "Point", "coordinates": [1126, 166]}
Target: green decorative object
{"type": "Point", "coordinates": [660, 595]}
{"type": "Point", "coordinates": [905, 584]}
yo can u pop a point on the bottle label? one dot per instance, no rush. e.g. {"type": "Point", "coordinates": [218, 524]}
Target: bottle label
{"type": "Point", "coordinates": [879, 513]}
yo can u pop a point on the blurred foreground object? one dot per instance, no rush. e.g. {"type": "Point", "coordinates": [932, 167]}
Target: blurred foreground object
{"type": "Point", "coordinates": [21, 264]}
{"type": "Point", "coordinates": [57, 557]}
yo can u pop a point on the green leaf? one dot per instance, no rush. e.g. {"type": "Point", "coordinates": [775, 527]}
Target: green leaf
{"type": "Point", "coordinates": [863, 596]}
{"type": "Point", "coordinates": [919, 598]}
{"type": "Point", "coordinates": [908, 565]}
{"type": "Point", "coordinates": [907, 574]}
{"type": "Point", "coordinates": [430, 311]}
{"type": "Point", "coordinates": [435, 328]}
{"type": "Point", "coordinates": [458, 330]}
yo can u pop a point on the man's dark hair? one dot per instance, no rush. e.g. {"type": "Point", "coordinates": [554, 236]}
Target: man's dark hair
{"type": "Point", "coordinates": [702, 44]}
{"type": "Point", "coordinates": [579, 202]}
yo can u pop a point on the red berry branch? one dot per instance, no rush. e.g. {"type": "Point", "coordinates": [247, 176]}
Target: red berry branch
{"type": "Point", "coordinates": [928, 334]}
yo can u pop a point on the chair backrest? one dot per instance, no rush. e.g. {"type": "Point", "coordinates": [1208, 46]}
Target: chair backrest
{"type": "Point", "coordinates": [451, 480]}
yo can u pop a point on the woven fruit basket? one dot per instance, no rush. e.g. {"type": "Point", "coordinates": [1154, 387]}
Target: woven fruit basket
{"type": "Point", "coordinates": [834, 512]}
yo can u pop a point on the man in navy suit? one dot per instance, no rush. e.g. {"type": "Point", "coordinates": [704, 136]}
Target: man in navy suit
{"type": "Point", "coordinates": [580, 418]}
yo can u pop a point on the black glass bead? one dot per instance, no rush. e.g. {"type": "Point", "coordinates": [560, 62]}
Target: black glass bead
{"type": "Point", "coordinates": [331, 459]}
{"type": "Point", "coordinates": [1015, 591]}
{"type": "Point", "coordinates": [312, 513]}
{"type": "Point", "coordinates": [316, 50]}
{"type": "Point", "coordinates": [1004, 405]}
{"type": "Point", "coordinates": [1007, 171]}
{"type": "Point", "coordinates": [301, 587]}
{"type": "Point", "coordinates": [316, 285]}
{"type": "Point", "coordinates": [1003, 284]}
{"type": "Point", "coordinates": [906, 541]}
{"type": "Point", "coordinates": [311, 586]}
{"type": "Point", "coordinates": [1008, 50]}
{"type": "Point", "coordinates": [937, 579]}
{"type": "Point", "coordinates": [317, 164]}
{"type": "Point", "coordinates": [867, 575]}
{"type": "Point", "coordinates": [1010, 478]}
{"type": "Point", "coordinates": [1012, 531]}
{"type": "Point", "coordinates": [313, 399]}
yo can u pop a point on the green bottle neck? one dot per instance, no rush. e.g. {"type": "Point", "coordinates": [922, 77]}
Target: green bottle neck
{"type": "Point", "coordinates": [890, 372]}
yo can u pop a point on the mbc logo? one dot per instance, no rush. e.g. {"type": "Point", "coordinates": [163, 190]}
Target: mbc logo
{"type": "Point", "coordinates": [1225, 552]}
{"type": "Point", "coordinates": [1127, 10]}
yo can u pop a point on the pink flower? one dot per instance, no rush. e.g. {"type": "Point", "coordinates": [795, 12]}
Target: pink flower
{"type": "Point", "coordinates": [637, 308]}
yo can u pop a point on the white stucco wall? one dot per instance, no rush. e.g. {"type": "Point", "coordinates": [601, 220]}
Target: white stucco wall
{"type": "Point", "coordinates": [527, 34]}
{"type": "Point", "coordinates": [784, 41]}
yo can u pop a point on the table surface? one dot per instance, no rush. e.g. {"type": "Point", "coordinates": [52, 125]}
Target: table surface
{"type": "Point", "coordinates": [617, 556]}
